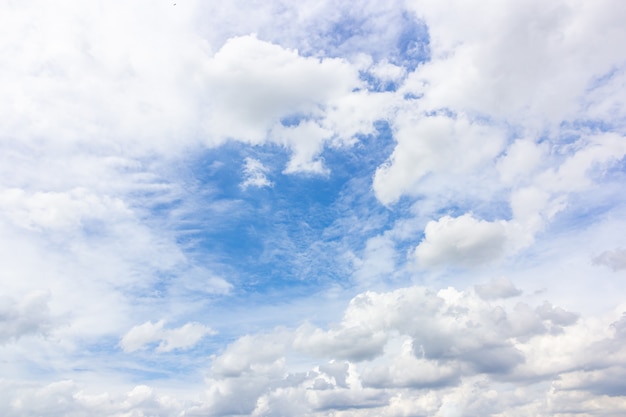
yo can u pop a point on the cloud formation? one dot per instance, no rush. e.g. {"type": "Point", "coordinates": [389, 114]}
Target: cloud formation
{"type": "Point", "coordinates": [148, 333]}
{"type": "Point", "coordinates": [277, 208]}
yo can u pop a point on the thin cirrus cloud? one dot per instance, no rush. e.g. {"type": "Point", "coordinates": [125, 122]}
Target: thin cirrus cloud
{"type": "Point", "coordinates": [268, 208]}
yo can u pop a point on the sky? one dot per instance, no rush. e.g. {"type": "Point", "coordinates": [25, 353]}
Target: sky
{"type": "Point", "coordinates": [316, 208]}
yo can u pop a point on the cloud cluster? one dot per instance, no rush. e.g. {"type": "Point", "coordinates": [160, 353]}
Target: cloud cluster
{"type": "Point", "coordinates": [438, 352]}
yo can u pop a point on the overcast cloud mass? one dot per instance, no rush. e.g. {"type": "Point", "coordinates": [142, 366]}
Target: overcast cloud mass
{"type": "Point", "coordinates": [313, 208]}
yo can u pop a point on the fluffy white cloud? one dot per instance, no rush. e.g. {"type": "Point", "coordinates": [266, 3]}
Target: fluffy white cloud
{"type": "Point", "coordinates": [446, 146]}
{"type": "Point", "coordinates": [531, 64]}
{"type": "Point", "coordinates": [444, 352]}
{"type": "Point", "coordinates": [183, 337]}
{"type": "Point", "coordinates": [461, 241]}
{"type": "Point", "coordinates": [255, 85]}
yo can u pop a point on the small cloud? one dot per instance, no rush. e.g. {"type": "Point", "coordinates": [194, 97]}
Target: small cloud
{"type": "Point", "coordinates": [255, 174]}
{"type": "Point", "coordinates": [497, 288]}
{"type": "Point", "coordinates": [461, 241]}
{"type": "Point", "coordinates": [615, 259]}
{"type": "Point", "coordinates": [183, 337]}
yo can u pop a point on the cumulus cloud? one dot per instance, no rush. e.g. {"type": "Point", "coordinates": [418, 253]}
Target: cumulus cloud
{"type": "Point", "coordinates": [444, 347]}
{"type": "Point", "coordinates": [254, 85]}
{"type": "Point", "coordinates": [439, 144]}
{"type": "Point", "coordinates": [531, 64]}
{"type": "Point", "coordinates": [184, 337]}
{"type": "Point", "coordinates": [68, 396]}
{"type": "Point", "coordinates": [443, 350]}
{"type": "Point", "coordinates": [461, 241]}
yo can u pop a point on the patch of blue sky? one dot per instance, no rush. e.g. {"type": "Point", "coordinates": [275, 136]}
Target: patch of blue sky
{"type": "Point", "coordinates": [347, 29]}
{"type": "Point", "coordinates": [595, 204]}
{"type": "Point", "coordinates": [413, 43]}
{"type": "Point", "coordinates": [405, 43]}
{"type": "Point", "coordinates": [279, 237]}
{"type": "Point", "coordinates": [573, 129]}
{"type": "Point", "coordinates": [378, 85]}
{"type": "Point", "coordinates": [605, 78]}
{"type": "Point", "coordinates": [293, 120]}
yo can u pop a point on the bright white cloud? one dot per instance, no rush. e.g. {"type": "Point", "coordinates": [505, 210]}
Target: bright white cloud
{"type": "Point", "coordinates": [442, 145]}
{"type": "Point", "coordinates": [255, 174]}
{"type": "Point", "coordinates": [183, 337]}
{"type": "Point", "coordinates": [532, 63]}
{"type": "Point", "coordinates": [461, 241]}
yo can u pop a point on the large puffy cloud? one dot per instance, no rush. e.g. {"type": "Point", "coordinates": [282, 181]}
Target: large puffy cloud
{"type": "Point", "coordinates": [447, 146]}
{"type": "Point", "coordinates": [261, 92]}
{"type": "Point", "coordinates": [445, 351]}
{"type": "Point", "coordinates": [531, 63]}
{"type": "Point", "coordinates": [506, 113]}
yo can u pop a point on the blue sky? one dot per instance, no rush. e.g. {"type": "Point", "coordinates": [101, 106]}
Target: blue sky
{"type": "Point", "coordinates": [317, 209]}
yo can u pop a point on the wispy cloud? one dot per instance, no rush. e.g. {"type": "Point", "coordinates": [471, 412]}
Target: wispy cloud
{"type": "Point", "coordinates": [255, 174]}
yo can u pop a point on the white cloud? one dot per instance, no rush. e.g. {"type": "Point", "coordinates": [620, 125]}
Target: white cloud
{"type": "Point", "coordinates": [438, 145]}
{"type": "Point", "coordinates": [461, 241]}
{"type": "Point", "coordinates": [443, 351]}
{"type": "Point", "coordinates": [497, 288]}
{"type": "Point", "coordinates": [386, 71]}
{"type": "Point", "coordinates": [353, 343]}
{"type": "Point", "coordinates": [28, 316]}
{"type": "Point", "coordinates": [521, 160]}
{"type": "Point", "coordinates": [406, 369]}
{"type": "Point", "coordinates": [255, 174]}
{"type": "Point", "coordinates": [615, 259]}
{"type": "Point", "coordinates": [254, 84]}
{"type": "Point", "coordinates": [251, 354]}
{"type": "Point", "coordinates": [378, 261]}
{"type": "Point", "coordinates": [531, 64]}
{"type": "Point", "coordinates": [59, 210]}
{"type": "Point", "coordinates": [184, 337]}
